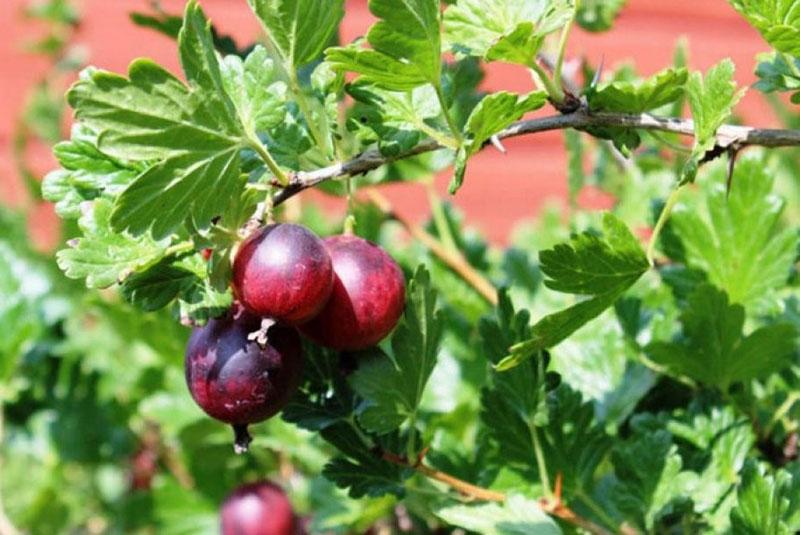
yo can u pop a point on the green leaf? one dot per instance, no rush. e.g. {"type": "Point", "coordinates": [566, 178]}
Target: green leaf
{"type": "Point", "coordinates": [767, 502]}
{"type": "Point", "coordinates": [104, 257]}
{"type": "Point", "coordinates": [313, 407]}
{"type": "Point", "coordinates": [639, 96]}
{"type": "Point", "coordinates": [300, 29]}
{"type": "Point", "coordinates": [492, 114]}
{"type": "Point", "coordinates": [192, 134]}
{"type": "Point", "coordinates": [779, 72]}
{"type": "Point", "coordinates": [648, 477]}
{"type": "Point", "coordinates": [257, 94]}
{"type": "Point", "coordinates": [711, 99]}
{"type": "Point", "coordinates": [778, 21]}
{"type": "Point", "coordinates": [627, 96]}
{"type": "Point", "coordinates": [516, 516]}
{"type": "Point", "coordinates": [87, 173]}
{"type": "Point", "coordinates": [599, 361]}
{"type": "Point", "coordinates": [574, 444]}
{"type": "Point", "coordinates": [392, 388]}
{"type": "Point", "coordinates": [395, 119]}
{"type": "Point", "coordinates": [503, 30]}
{"type": "Point", "coordinates": [359, 469]}
{"type": "Point", "coordinates": [156, 287]}
{"type": "Point", "coordinates": [514, 401]}
{"type": "Point", "coordinates": [715, 351]}
{"type": "Point", "coordinates": [735, 238]}
{"type": "Point", "coordinates": [598, 15]}
{"type": "Point", "coordinates": [723, 438]}
{"type": "Point", "coordinates": [406, 46]}
{"type": "Point", "coordinates": [589, 265]}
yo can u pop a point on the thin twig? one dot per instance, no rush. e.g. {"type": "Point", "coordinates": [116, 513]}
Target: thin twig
{"type": "Point", "coordinates": [727, 135]}
{"type": "Point", "coordinates": [554, 507]}
{"type": "Point", "coordinates": [454, 259]}
{"type": "Point", "coordinates": [462, 487]}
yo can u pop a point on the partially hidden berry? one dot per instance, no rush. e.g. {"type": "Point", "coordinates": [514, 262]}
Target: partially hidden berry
{"type": "Point", "coordinates": [367, 300]}
{"type": "Point", "coordinates": [259, 508]}
{"type": "Point", "coordinates": [283, 272]}
{"type": "Point", "coordinates": [237, 380]}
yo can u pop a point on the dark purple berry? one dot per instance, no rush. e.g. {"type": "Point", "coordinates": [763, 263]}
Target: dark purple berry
{"type": "Point", "coordinates": [282, 271]}
{"type": "Point", "coordinates": [236, 379]}
{"type": "Point", "coordinates": [258, 509]}
{"type": "Point", "coordinates": [367, 300]}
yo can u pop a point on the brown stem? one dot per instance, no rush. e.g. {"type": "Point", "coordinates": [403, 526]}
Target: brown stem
{"type": "Point", "coordinates": [454, 259]}
{"type": "Point", "coordinates": [176, 467]}
{"type": "Point", "coordinates": [562, 511]}
{"type": "Point", "coordinates": [554, 507]}
{"type": "Point", "coordinates": [727, 135]}
{"type": "Point", "coordinates": [462, 487]}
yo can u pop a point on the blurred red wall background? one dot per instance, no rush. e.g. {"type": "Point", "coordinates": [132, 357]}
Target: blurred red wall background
{"type": "Point", "coordinates": [499, 189]}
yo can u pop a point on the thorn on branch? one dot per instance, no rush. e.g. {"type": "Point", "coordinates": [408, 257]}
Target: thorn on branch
{"type": "Point", "coordinates": [497, 144]}
{"type": "Point", "coordinates": [733, 152]}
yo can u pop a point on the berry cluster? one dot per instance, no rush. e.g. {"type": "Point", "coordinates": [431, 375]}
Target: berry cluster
{"type": "Point", "coordinates": [343, 292]}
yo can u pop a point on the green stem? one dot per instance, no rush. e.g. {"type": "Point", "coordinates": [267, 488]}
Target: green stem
{"type": "Point", "coordinates": [178, 248]}
{"type": "Point", "coordinates": [589, 502]}
{"type": "Point", "coordinates": [562, 46]}
{"type": "Point", "coordinates": [305, 109]}
{"type": "Point", "coordinates": [785, 407]}
{"type": "Point", "coordinates": [537, 449]}
{"type": "Point", "coordinates": [411, 451]}
{"type": "Point", "coordinates": [440, 219]}
{"type": "Point", "coordinates": [554, 91]}
{"type": "Point", "coordinates": [662, 220]}
{"type": "Point", "coordinates": [450, 122]}
{"type": "Point", "coordinates": [360, 434]}
{"type": "Point", "coordinates": [440, 137]}
{"type": "Point", "coordinates": [350, 220]}
{"type": "Point", "coordinates": [255, 144]}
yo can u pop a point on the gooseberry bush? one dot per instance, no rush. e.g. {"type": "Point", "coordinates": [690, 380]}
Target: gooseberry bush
{"type": "Point", "coordinates": [630, 371]}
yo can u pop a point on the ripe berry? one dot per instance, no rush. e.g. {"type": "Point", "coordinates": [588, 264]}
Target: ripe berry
{"type": "Point", "coordinates": [237, 380]}
{"type": "Point", "coordinates": [367, 300]}
{"type": "Point", "coordinates": [283, 272]}
{"type": "Point", "coordinates": [258, 509]}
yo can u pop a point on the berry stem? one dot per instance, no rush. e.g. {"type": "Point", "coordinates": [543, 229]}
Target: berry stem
{"type": "Point", "coordinates": [242, 438]}
{"type": "Point", "coordinates": [350, 220]}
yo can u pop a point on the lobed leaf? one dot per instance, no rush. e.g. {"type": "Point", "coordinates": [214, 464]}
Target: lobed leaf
{"type": "Point", "coordinates": [589, 265]}
{"type": "Point", "coordinates": [715, 351]}
{"type": "Point", "coordinates": [493, 113]}
{"type": "Point", "coordinates": [516, 516]}
{"type": "Point", "coordinates": [503, 30]}
{"type": "Point", "coordinates": [406, 46]}
{"type": "Point", "coordinates": [711, 99]}
{"type": "Point", "coordinates": [778, 21]}
{"type": "Point", "coordinates": [300, 29]}
{"type": "Point", "coordinates": [735, 238]}
{"type": "Point", "coordinates": [104, 257]}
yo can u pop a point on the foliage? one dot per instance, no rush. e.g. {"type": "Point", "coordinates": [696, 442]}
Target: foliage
{"type": "Point", "coordinates": [594, 391]}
